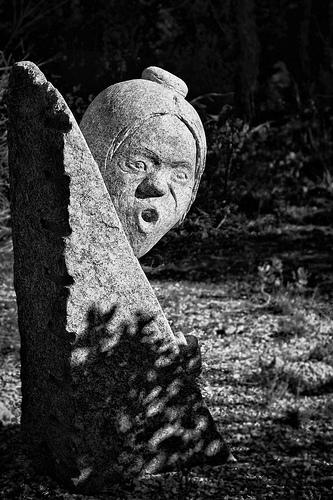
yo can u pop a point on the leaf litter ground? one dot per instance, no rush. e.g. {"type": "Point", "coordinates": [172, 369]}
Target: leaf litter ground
{"type": "Point", "coordinates": [267, 379]}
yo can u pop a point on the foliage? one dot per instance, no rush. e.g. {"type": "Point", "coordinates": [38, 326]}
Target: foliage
{"type": "Point", "coordinates": [269, 167]}
{"type": "Point", "coordinates": [287, 162]}
{"type": "Point", "coordinates": [21, 23]}
{"type": "Point", "coordinates": [225, 135]}
{"type": "Point", "coordinates": [77, 103]}
{"type": "Point", "coordinates": [274, 286]}
{"type": "Point", "coordinates": [4, 173]}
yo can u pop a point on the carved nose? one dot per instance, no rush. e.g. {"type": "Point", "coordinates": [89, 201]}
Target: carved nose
{"type": "Point", "coordinates": [152, 186]}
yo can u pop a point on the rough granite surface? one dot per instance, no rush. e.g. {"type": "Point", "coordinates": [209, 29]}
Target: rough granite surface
{"type": "Point", "coordinates": [106, 393]}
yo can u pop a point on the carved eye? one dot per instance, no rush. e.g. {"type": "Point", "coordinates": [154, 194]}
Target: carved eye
{"type": "Point", "coordinates": [133, 166]}
{"type": "Point", "coordinates": [139, 165]}
{"type": "Point", "coordinates": [181, 175]}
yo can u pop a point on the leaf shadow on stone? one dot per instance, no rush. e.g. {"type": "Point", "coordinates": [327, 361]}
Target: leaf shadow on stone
{"type": "Point", "coordinates": [137, 398]}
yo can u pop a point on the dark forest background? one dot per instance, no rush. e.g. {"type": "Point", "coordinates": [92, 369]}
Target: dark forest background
{"type": "Point", "coordinates": [259, 72]}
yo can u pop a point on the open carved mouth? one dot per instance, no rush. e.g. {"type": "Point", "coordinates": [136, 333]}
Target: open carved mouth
{"type": "Point", "coordinates": [150, 215]}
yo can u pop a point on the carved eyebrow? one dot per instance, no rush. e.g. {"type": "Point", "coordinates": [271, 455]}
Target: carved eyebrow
{"type": "Point", "coordinates": [148, 153]}
{"type": "Point", "coordinates": [143, 150]}
{"type": "Point", "coordinates": [183, 164]}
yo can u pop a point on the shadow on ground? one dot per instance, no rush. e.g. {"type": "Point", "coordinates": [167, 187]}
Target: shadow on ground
{"type": "Point", "coordinates": [219, 257]}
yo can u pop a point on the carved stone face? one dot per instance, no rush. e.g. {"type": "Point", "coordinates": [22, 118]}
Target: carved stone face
{"type": "Point", "coordinates": [150, 179]}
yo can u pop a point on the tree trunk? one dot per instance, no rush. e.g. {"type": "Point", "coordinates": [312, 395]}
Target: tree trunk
{"type": "Point", "coordinates": [304, 35]}
{"type": "Point", "coordinates": [330, 24]}
{"type": "Point", "coordinates": [248, 60]}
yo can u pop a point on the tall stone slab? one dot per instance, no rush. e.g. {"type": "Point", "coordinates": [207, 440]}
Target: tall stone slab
{"type": "Point", "coordinates": [106, 389]}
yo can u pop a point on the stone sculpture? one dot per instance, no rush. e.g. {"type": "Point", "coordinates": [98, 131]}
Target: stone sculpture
{"type": "Point", "coordinates": [108, 390]}
{"type": "Point", "coordinates": [150, 146]}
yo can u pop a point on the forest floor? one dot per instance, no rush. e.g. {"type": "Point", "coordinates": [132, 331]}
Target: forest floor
{"type": "Point", "coordinates": [267, 366]}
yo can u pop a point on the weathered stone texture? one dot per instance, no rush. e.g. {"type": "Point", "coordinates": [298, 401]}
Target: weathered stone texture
{"type": "Point", "coordinates": [105, 385]}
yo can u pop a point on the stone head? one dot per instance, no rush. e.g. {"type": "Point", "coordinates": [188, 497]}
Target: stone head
{"type": "Point", "coordinates": [150, 146]}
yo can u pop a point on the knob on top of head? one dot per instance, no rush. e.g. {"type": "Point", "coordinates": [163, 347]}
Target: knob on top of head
{"type": "Point", "coordinates": [163, 77]}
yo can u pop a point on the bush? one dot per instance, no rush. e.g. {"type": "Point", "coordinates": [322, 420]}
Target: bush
{"type": "Point", "coordinates": [286, 161]}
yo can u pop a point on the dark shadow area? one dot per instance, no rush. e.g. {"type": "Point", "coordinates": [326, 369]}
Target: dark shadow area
{"type": "Point", "coordinates": [281, 460]}
{"type": "Point", "coordinates": [220, 256]}
{"type": "Point", "coordinates": [16, 471]}
{"type": "Point", "coordinates": [288, 456]}
{"type": "Point", "coordinates": [138, 407]}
